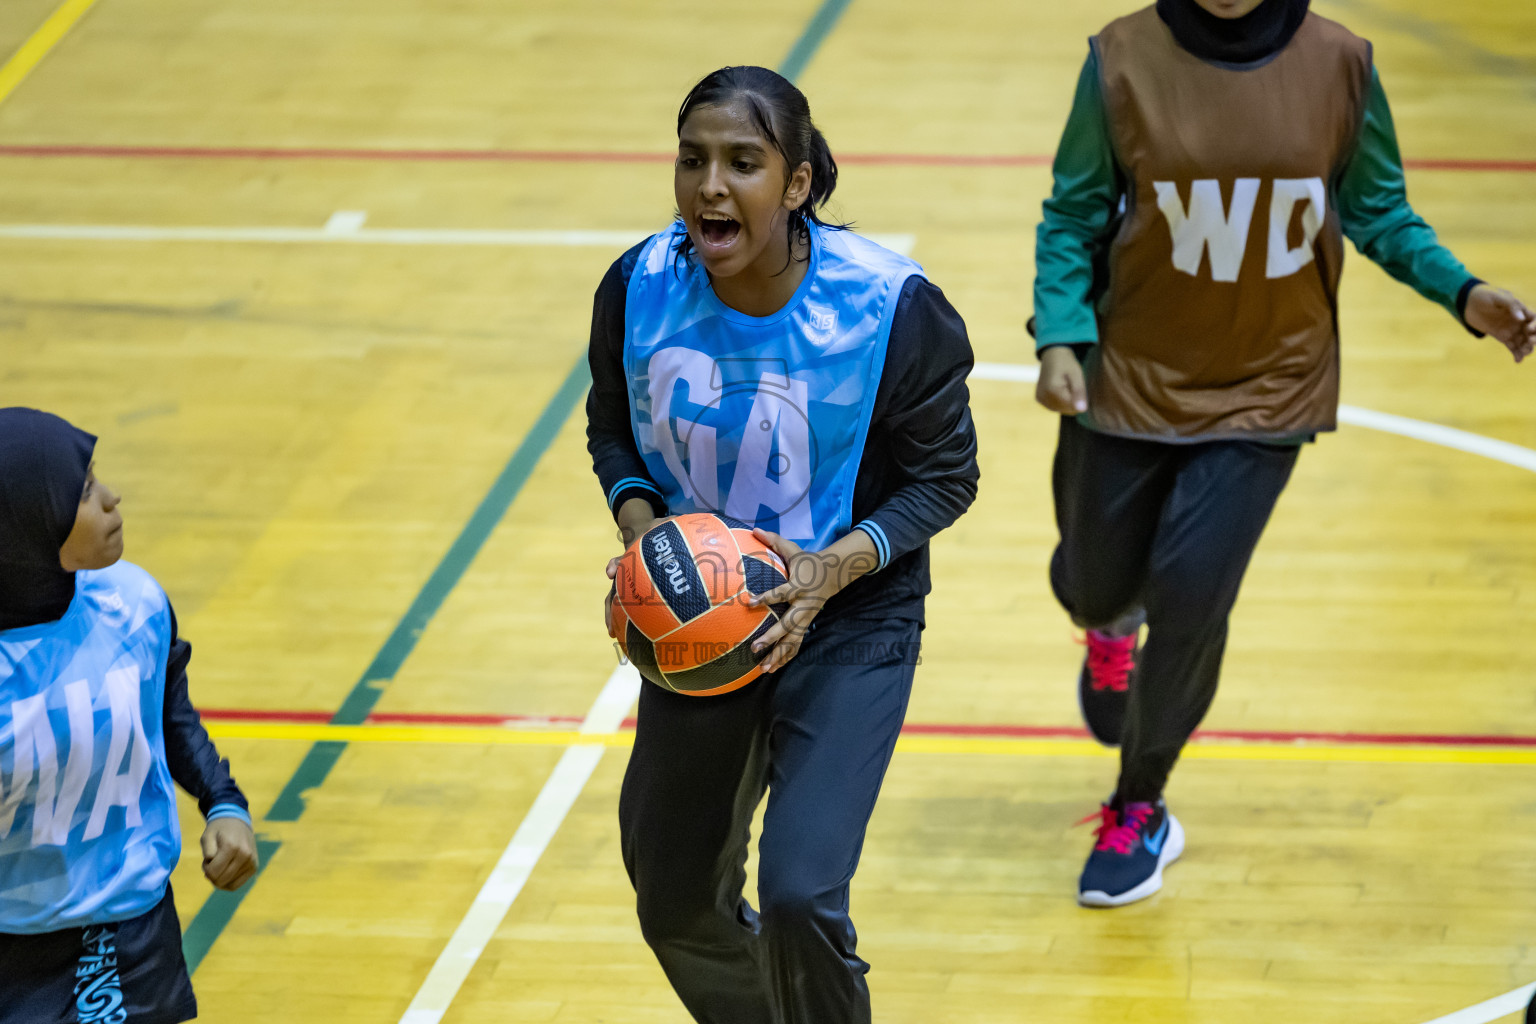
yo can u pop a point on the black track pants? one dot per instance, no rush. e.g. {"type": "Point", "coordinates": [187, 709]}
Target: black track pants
{"type": "Point", "coordinates": [1170, 529]}
{"type": "Point", "coordinates": [818, 734]}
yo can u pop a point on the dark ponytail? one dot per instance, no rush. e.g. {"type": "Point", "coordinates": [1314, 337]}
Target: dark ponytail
{"type": "Point", "coordinates": [779, 111]}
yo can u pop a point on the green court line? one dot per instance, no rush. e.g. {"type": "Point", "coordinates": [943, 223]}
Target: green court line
{"type": "Point", "coordinates": [816, 31]}
{"type": "Point", "coordinates": [317, 764]}
{"type": "Point", "coordinates": [220, 906]}
{"type": "Point", "coordinates": [322, 756]}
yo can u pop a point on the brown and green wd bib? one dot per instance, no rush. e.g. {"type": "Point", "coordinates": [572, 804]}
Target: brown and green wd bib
{"type": "Point", "coordinates": [1219, 316]}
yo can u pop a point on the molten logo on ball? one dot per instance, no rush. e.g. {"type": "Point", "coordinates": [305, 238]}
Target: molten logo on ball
{"type": "Point", "coordinates": [668, 560]}
{"type": "Point", "coordinates": [682, 611]}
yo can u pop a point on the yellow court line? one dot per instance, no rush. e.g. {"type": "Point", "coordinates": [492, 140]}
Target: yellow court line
{"type": "Point", "coordinates": [43, 40]}
{"type": "Point", "coordinates": [1210, 751]}
{"type": "Point", "coordinates": [484, 735]}
{"type": "Point", "coordinates": [498, 736]}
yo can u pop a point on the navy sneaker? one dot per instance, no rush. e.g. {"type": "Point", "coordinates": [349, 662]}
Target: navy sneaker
{"type": "Point", "coordinates": [1135, 842]}
{"type": "Point", "coordinates": [1104, 684]}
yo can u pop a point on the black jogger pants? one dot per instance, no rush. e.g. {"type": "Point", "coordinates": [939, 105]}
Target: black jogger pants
{"type": "Point", "coordinates": [818, 735]}
{"type": "Point", "coordinates": [1168, 528]}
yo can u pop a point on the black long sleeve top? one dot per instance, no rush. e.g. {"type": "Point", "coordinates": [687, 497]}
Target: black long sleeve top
{"type": "Point", "coordinates": [193, 759]}
{"type": "Point", "coordinates": [918, 472]}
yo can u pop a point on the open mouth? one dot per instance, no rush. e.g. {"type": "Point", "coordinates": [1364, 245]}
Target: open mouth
{"type": "Point", "coordinates": [718, 230]}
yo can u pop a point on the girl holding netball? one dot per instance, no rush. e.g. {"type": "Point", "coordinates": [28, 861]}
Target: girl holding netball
{"type": "Point", "coordinates": [756, 361]}
{"type": "Point", "coordinates": [95, 724]}
{"type": "Point", "coordinates": [1217, 154]}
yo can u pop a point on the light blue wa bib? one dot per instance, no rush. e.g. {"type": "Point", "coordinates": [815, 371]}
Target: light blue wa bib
{"type": "Point", "coordinates": [88, 829]}
{"type": "Point", "coordinates": [761, 418]}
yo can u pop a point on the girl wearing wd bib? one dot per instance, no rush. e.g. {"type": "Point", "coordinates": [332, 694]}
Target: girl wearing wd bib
{"type": "Point", "coordinates": [755, 361]}
{"type": "Point", "coordinates": [1217, 154]}
{"type": "Point", "coordinates": [95, 724]}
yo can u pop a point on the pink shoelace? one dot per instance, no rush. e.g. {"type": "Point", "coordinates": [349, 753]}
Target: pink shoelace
{"type": "Point", "coordinates": [1117, 831]}
{"type": "Point", "coordinates": [1110, 660]}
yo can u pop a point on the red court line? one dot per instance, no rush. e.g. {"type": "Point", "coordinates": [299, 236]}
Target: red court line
{"type": "Point", "coordinates": [602, 157]}
{"type": "Point", "coordinates": [408, 718]}
{"type": "Point", "coordinates": [1513, 166]}
{"type": "Point", "coordinates": [328, 153]}
{"type": "Point", "coordinates": [1377, 739]}
{"type": "Point", "coordinates": [948, 159]}
{"type": "Point", "coordinates": [254, 715]}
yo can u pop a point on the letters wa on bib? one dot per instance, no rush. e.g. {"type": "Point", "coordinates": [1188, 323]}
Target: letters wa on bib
{"type": "Point", "coordinates": [88, 827]}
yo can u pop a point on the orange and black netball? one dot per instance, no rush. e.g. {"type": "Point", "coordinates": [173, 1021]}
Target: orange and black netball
{"type": "Point", "coordinates": [681, 606]}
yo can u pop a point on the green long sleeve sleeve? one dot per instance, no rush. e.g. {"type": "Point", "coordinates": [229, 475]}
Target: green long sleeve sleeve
{"type": "Point", "coordinates": [1084, 199]}
{"type": "Point", "coordinates": [1374, 211]}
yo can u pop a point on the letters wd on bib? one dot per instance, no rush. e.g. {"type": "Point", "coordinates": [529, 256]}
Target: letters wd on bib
{"type": "Point", "coordinates": [88, 829]}
{"type": "Point", "coordinates": [1269, 138]}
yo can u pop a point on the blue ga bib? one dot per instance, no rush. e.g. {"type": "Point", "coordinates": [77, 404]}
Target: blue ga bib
{"type": "Point", "coordinates": [761, 418]}
{"type": "Point", "coordinates": [88, 827]}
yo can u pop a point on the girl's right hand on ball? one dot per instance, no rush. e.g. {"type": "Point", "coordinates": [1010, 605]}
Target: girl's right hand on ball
{"type": "Point", "coordinates": [635, 517]}
{"type": "Point", "coordinates": [1061, 387]}
{"type": "Point", "coordinates": [612, 595]}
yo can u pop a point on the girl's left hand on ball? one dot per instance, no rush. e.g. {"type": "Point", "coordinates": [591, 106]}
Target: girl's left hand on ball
{"type": "Point", "coordinates": [1496, 312]}
{"type": "Point", "coordinates": [783, 639]}
{"type": "Point", "coordinates": [814, 577]}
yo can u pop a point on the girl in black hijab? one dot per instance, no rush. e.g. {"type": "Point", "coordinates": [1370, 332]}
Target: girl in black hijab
{"type": "Point", "coordinates": [88, 927]}
{"type": "Point", "coordinates": [44, 462]}
{"type": "Point", "coordinates": [1256, 35]}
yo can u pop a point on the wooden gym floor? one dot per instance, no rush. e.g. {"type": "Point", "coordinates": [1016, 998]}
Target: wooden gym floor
{"type": "Point", "coordinates": [334, 364]}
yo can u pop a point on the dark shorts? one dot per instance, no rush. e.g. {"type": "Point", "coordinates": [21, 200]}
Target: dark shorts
{"type": "Point", "coordinates": [131, 972]}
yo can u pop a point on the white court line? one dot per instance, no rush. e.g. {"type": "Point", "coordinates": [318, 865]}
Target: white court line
{"type": "Point", "coordinates": [345, 221]}
{"type": "Point", "coordinates": [1434, 433]}
{"type": "Point", "coordinates": [1493, 1009]}
{"type": "Point", "coordinates": [345, 226]}
{"type": "Point", "coordinates": [359, 236]}
{"type": "Point", "coordinates": [517, 862]}
{"type": "Point", "coordinates": [1023, 373]}
{"type": "Point", "coordinates": [1419, 430]}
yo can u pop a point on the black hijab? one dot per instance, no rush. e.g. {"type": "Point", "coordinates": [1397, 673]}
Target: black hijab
{"type": "Point", "coordinates": [43, 466]}
{"type": "Point", "coordinates": [1257, 35]}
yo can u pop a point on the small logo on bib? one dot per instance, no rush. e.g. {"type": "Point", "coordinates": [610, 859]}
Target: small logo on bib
{"type": "Point", "coordinates": [823, 324]}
